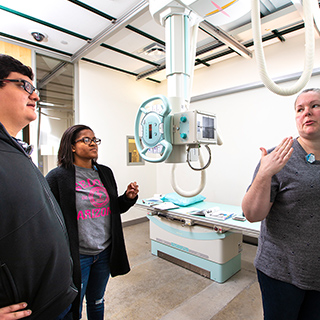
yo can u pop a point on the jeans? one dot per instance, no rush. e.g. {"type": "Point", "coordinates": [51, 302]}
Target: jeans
{"type": "Point", "coordinates": [284, 301]}
{"type": "Point", "coordinates": [95, 273]}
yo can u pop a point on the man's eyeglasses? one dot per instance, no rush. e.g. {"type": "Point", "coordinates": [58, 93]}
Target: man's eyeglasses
{"type": "Point", "coordinates": [88, 141]}
{"type": "Point", "coordinates": [26, 85]}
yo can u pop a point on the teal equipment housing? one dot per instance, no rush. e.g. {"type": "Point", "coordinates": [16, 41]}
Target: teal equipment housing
{"type": "Point", "coordinates": [155, 128]}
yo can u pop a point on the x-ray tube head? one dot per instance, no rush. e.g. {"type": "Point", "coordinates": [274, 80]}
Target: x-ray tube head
{"type": "Point", "coordinates": [194, 127]}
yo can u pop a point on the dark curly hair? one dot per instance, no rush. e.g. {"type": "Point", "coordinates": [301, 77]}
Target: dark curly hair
{"type": "Point", "coordinates": [9, 64]}
{"type": "Point", "coordinates": [65, 154]}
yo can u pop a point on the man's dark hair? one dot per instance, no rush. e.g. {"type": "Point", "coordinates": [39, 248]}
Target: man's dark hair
{"type": "Point", "coordinates": [9, 64]}
{"type": "Point", "coordinates": [65, 154]}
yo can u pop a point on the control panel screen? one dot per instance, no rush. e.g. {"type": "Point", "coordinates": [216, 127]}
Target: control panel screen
{"type": "Point", "coordinates": [208, 127]}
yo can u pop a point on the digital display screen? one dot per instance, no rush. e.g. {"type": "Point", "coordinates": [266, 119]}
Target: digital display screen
{"type": "Point", "coordinates": [150, 131]}
{"type": "Point", "coordinates": [208, 127]}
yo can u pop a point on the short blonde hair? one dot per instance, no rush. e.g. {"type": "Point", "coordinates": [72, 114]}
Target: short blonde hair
{"type": "Point", "coordinates": [317, 90]}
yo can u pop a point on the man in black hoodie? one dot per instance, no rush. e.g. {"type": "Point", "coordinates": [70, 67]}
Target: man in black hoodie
{"type": "Point", "coordinates": [35, 262]}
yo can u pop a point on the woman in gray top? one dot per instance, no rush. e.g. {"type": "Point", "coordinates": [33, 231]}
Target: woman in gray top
{"type": "Point", "coordinates": [285, 196]}
{"type": "Point", "coordinates": [88, 196]}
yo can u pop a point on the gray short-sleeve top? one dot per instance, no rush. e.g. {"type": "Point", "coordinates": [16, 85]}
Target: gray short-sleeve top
{"type": "Point", "coordinates": [289, 241]}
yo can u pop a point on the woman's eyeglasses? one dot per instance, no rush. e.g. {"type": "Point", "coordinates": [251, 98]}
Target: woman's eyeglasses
{"type": "Point", "coordinates": [87, 140]}
{"type": "Point", "coordinates": [26, 85]}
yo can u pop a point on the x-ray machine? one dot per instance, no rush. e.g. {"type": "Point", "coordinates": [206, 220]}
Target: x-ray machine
{"type": "Point", "coordinates": [170, 132]}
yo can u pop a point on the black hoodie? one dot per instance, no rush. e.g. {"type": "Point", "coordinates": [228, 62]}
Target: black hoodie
{"type": "Point", "coordinates": [35, 262]}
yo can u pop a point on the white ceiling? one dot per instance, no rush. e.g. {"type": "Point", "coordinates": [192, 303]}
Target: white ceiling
{"type": "Point", "coordinates": [83, 30]}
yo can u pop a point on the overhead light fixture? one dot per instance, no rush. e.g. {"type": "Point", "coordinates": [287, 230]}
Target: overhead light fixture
{"type": "Point", "coordinates": [155, 50]}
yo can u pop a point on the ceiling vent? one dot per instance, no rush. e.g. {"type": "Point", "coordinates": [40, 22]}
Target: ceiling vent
{"type": "Point", "coordinates": [153, 51]}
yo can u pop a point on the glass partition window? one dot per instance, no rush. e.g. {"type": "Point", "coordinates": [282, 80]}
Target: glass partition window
{"type": "Point", "coordinates": [55, 81]}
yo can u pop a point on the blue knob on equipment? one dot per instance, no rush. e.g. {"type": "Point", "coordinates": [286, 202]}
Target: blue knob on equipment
{"type": "Point", "coordinates": [183, 119]}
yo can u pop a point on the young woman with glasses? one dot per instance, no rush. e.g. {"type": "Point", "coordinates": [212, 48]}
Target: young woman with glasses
{"type": "Point", "coordinates": [88, 196]}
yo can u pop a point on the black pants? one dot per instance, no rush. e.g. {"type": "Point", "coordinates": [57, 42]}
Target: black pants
{"type": "Point", "coordinates": [284, 301]}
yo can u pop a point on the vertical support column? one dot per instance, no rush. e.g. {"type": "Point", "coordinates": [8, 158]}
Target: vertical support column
{"type": "Point", "coordinates": [177, 26]}
{"type": "Point", "coordinates": [178, 59]}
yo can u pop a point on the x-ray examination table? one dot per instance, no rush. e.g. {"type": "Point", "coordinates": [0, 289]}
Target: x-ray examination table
{"type": "Point", "coordinates": [204, 245]}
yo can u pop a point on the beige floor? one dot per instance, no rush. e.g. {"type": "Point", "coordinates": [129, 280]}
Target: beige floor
{"type": "Point", "coordinates": [158, 289]}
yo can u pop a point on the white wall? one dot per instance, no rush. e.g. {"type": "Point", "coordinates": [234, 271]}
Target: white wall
{"type": "Point", "coordinates": [109, 101]}
{"type": "Point", "coordinates": [246, 121]}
